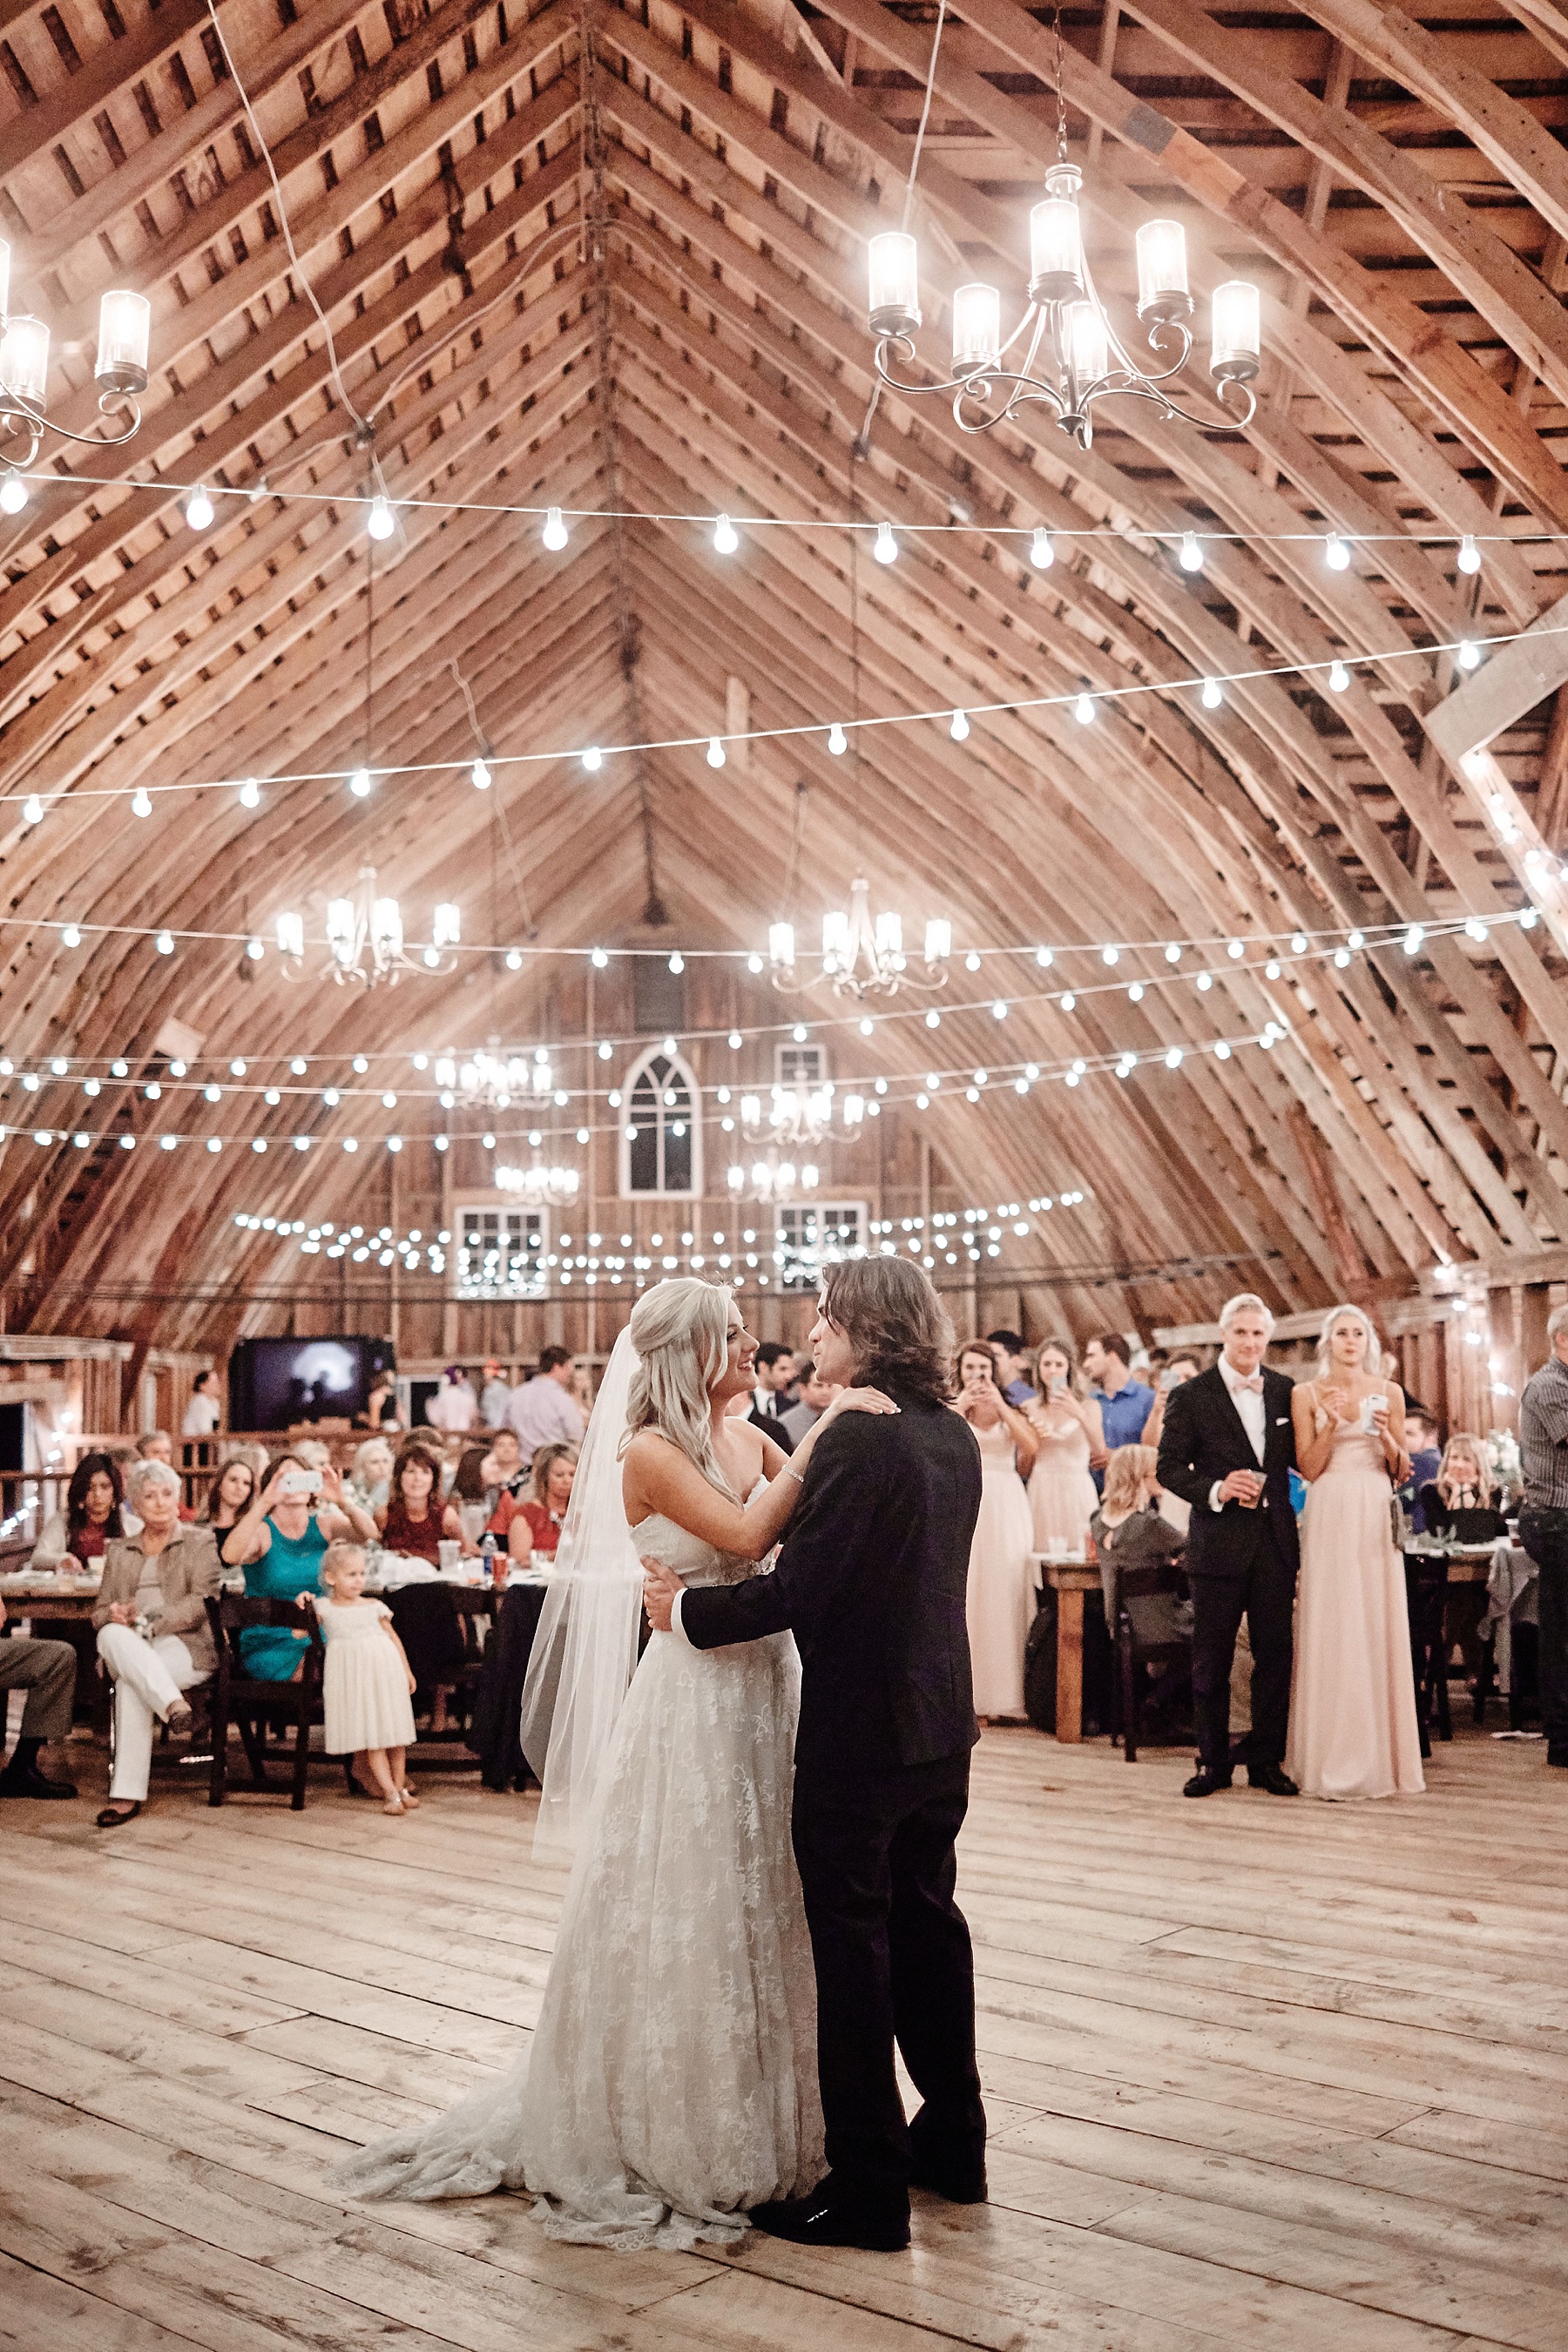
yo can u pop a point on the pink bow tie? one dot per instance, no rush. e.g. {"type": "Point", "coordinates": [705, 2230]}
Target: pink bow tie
{"type": "Point", "coordinates": [1255, 1385]}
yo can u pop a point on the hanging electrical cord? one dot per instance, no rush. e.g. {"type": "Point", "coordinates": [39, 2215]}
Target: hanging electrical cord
{"type": "Point", "coordinates": [925, 113]}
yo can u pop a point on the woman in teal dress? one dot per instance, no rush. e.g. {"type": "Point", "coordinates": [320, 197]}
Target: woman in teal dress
{"type": "Point", "coordinates": [293, 1518]}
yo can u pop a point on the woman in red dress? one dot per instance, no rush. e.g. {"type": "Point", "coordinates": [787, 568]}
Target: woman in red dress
{"type": "Point", "coordinates": [534, 1525]}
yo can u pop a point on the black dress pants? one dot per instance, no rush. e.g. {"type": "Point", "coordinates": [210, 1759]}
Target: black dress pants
{"type": "Point", "coordinates": [1544, 1535]}
{"type": "Point", "coordinates": [891, 1947]}
{"type": "Point", "coordinates": [1264, 1592]}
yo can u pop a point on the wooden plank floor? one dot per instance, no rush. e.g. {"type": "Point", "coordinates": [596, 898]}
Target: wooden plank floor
{"type": "Point", "coordinates": [1275, 2076]}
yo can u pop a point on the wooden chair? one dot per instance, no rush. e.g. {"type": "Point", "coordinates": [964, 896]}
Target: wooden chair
{"type": "Point", "coordinates": [257, 1706]}
{"type": "Point", "coordinates": [1151, 1629]}
{"type": "Point", "coordinates": [474, 1608]}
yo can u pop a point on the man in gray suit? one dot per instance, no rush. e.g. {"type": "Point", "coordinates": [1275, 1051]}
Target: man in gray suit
{"type": "Point", "coordinates": [815, 1396]}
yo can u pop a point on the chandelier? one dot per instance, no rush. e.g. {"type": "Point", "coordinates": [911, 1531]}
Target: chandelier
{"type": "Point", "coordinates": [793, 1115]}
{"type": "Point", "coordinates": [539, 1187]}
{"type": "Point", "coordinates": [861, 957]}
{"type": "Point", "coordinates": [1066, 333]}
{"type": "Point", "coordinates": [364, 938]}
{"type": "Point", "coordinates": [773, 1179]}
{"type": "Point", "coordinates": [495, 1080]}
{"type": "Point", "coordinates": [120, 371]}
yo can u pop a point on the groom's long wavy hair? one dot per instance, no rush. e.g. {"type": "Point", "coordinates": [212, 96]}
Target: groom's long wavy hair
{"type": "Point", "coordinates": [681, 1333]}
{"type": "Point", "coordinates": [894, 1322]}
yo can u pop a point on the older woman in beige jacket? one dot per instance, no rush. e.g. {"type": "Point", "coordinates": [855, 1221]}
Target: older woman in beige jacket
{"type": "Point", "coordinates": [152, 1631]}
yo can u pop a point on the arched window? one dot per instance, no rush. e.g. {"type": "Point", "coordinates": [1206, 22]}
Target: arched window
{"type": "Point", "coordinates": [661, 1134]}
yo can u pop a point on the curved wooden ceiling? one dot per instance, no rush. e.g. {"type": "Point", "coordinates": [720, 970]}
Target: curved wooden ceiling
{"type": "Point", "coordinates": [1394, 182]}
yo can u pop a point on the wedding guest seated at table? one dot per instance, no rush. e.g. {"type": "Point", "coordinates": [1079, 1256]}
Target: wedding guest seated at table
{"type": "Point", "coordinates": [93, 1515]}
{"type": "Point", "coordinates": [468, 1494]}
{"type": "Point", "coordinates": [152, 1631]}
{"type": "Point", "coordinates": [295, 1513]}
{"type": "Point", "coordinates": [414, 1519]}
{"type": "Point", "coordinates": [504, 1470]}
{"type": "Point", "coordinates": [229, 1496]}
{"type": "Point", "coordinates": [1460, 1501]}
{"type": "Point", "coordinates": [1127, 1529]}
{"type": "Point", "coordinates": [369, 1481]}
{"type": "Point", "coordinates": [47, 1671]}
{"type": "Point", "coordinates": [534, 1523]}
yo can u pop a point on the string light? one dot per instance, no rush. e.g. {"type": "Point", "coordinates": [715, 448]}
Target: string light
{"type": "Point", "coordinates": [198, 509]}
{"type": "Point", "coordinates": [1083, 710]}
{"type": "Point", "coordinates": [592, 758]}
{"type": "Point", "coordinates": [554, 532]}
{"type": "Point", "coordinates": [381, 524]}
{"type": "Point", "coordinates": [359, 783]}
{"type": "Point", "coordinates": [1212, 693]}
{"type": "Point", "coordinates": [958, 730]}
{"type": "Point", "coordinates": [32, 809]}
{"type": "Point", "coordinates": [1469, 555]}
{"type": "Point", "coordinates": [726, 539]}
{"type": "Point", "coordinates": [481, 773]}
{"type": "Point", "coordinates": [1336, 554]}
{"type": "Point", "coordinates": [1469, 655]}
{"type": "Point", "coordinates": [12, 494]}
{"type": "Point", "coordinates": [838, 741]}
{"type": "Point", "coordinates": [1042, 554]}
{"type": "Point", "coordinates": [715, 752]}
{"type": "Point", "coordinates": [1191, 555]}
{"type": "Point", "coordinates": [141, 805]}
{"type": "Point", "coordinates": [250, 793]}
{"type": "Point", "coordinates": [1338, 678]}
{"type": "Point", "coordinates": [886, 550]}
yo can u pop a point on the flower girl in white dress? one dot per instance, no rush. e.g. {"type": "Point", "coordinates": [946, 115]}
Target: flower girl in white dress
{"type": "Point", "coordinates": [671, 2080]}
{"type": "Point", "coordinates": [367, 1683]}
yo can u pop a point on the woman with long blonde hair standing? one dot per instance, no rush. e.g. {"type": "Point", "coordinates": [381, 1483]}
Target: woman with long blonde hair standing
{"type": "Point", "coordinates": [1353, 1729]}
{"type": "Point", "coordinates": [671, 2080]}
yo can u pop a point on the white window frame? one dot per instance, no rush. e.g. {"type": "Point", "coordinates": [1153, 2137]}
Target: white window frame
{"type": "Point", "coordinates": [533, 1222]}
{"type": "Point", "coordinates": [800, 1264]}
{"type": "Point", "coordinates": [681, 1068]}
{"type": "Point", "coordinates": [790, 1059]}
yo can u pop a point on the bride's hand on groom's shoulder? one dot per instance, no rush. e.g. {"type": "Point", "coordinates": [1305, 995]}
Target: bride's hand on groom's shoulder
{"type": "Point", "coordinates": [856, 1401]}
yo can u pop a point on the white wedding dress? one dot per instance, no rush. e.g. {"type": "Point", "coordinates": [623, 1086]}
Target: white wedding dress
{"type": "Point", "coordinates": [672, 2082]}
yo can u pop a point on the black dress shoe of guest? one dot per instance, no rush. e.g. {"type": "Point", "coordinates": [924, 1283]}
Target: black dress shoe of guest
{"type": "Point", "coordinates": [1558, 1756]}
{"type": "Point", "coordinates": [1270, 1777]}
{"type": "Point", "coordinates": [965, 2185]}
{"type": "Point", "coordinates": [30, 1782]}
{"type": "Point", "coordinates": [1206, 1782]}
{"type": "Point", "coordinates": [830, 2218]}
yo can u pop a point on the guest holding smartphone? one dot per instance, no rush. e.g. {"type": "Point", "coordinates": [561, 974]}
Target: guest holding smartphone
{"type": "Point", "coordinates": [295, 1513]}
{"type": "Point", "coordinates": [1071, 1445]}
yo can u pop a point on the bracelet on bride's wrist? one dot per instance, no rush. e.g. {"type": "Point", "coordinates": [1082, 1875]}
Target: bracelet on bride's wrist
{"type": "Point", "coordinates": [788, 1471]}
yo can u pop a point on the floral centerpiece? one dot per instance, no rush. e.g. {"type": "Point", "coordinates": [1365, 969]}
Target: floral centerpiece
{"type": "Point", "coordinates": [1504, 1461]}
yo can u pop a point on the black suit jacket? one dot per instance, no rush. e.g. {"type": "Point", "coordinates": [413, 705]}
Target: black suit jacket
{"type": "Point", "coordinates": [771, 1426]}
{"type": "Point", "coordinates": [871, 1580]}
{"type": "Point", "coordinates": [1203, 1440]}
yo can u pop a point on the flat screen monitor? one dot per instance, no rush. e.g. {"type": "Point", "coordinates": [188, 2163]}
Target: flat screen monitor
{"type": "Point", "coordinates": [275, 1383]}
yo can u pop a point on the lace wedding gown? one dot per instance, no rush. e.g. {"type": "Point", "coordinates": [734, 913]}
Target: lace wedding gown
{"type": "Point", "coordinates": [671, 2080]}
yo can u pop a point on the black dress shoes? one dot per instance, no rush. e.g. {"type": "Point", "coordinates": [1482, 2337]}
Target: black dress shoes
{"type": "Point", "coordinates": [1205, 1781]}
{"type": "Point", "coordinates": [830, 2217]}
{"type": "Point", "coordinates": [1270, 1777]}
{"type": "Point", "coordinates": [30, 1782]}
{"type": "Point", "coordinates": [960, 2186]}
{"type": "Point", "coordinates": [1555, 1755]}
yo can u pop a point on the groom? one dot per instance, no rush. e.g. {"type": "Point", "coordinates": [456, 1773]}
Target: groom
{"type": "Point", "coordinates": [1228, 1447]}
{"type": "Point", "coordinates": [871, 1580]}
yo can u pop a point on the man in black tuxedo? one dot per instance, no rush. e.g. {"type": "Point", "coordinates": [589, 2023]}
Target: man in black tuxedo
{"type": "Point", "coordinates": [1228, 1447]}
{"type": "Point", "coordinates": [871, 1580]}
{"type": "Point", "coordinates": [771, 1399]}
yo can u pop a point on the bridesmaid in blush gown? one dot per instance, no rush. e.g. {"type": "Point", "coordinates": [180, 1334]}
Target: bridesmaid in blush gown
{"type": "Point", "coordinates": [1353, 1730]}
{"type": "Point", "coordinates": [1071, 1444]}
{"type": "Point", "coordinates": [1001, 1596]}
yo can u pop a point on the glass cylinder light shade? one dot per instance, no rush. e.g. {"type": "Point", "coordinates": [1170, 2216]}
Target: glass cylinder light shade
{"type": "Point", "coordinates": [25, 360]}
{"type": "Point", "coordinates": [1236, 332]}
{"type": "Point", "coordinates": [835, 934]}
{"type": "Point", "coordinates": [448, 925]}
{"type": "Point", "coordinates": [890, 934]}
{"type": "Point", "coordinates": [340, 928]}
{"type": "Point", "coordinates": [976, 329]}
{"type": "Point", "coordinates": [1056, 251]}
{"type": "Point", "coordinates": [938, 940]}
{"type": "Point", "coordinates": [1088, 348]}
{"type": "Point", "coordinates": [893, 267]}
{"type": "Point", "coordinates": [291, 936]}
{"type": "Point", "coordinates": [386, 927]}
{"type": "Point", "coordinates": [1162, 246]}
{"type": "Point", "coordinates": [124, 322]}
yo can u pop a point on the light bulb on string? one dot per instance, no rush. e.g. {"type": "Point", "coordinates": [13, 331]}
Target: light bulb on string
{"type": "Point", "coordinates": [1213, 695]}
{"type": "Point", "coordinates": [1469, 655]}
{"type": "Point", "coordinates": [1191, 555]}
{"type": "Point", "coordinates": [715, 752]}
{"type": "Point", "coordinates": [886, 550]}
{"type": "Point", "coordinates": [198, 509]}
{"type": "Point", "coordinates": [140, 803]}
{"type": "Point", "coordinates": [838, 741]}
{"type": "Point", "coordinates": [1298, 944]}
{"type": "Point", "coordinates": [592, 758]}
{"type": "Point", "coordinates": [1338, 678]}
{"type": "Point", "coordinates": [381, 522]}
{"type": "Point", "coordinates": [958, 730]}
{"type": "Point", "coordinates": [1042, 554]}
{"type": "Point", "coordinates": [1469, 556]}
{"type": "Point", "coordinates": [1336, 554]}
{"type": "Point", "coordinates": [32, 809]}
{"type": "Point", "coordinates": [71, 937]}
{"type": "Point", "coordinates": [359, 783]}
{"type": "Point", "coordinates": [513, 960]}
{"type": "Point", "coordinates": [554, 532]}
{"type": "Point", "coordinates": [164, 943]}
{"type": "Point", "coordinates": [726, 538]}
{"type": "Point", "coordinates": [599, 960]}
{"type": "Point", "coordinates": [250, 793]}
{"type": "Point", "coordinates": [1083, 710]}
{"type": "Point", "coordinates": [479, 775]}
{"type": "Point", "coordinates": [12, 494]}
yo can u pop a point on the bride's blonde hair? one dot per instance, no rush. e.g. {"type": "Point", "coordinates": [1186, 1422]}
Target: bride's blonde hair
{"type": "Point", "coordinates": [680, 1330]}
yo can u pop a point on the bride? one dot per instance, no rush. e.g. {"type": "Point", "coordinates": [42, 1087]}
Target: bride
{"type": "Point", "coordinates": [671, 2080]}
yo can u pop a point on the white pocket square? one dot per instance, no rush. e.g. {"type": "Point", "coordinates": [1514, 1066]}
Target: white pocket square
{"type": "Point", "coordinates": [1280, 1419]}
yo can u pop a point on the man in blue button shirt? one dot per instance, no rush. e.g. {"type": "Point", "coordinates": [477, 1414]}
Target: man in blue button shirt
{"type": "Point", "coordinates": [1124, 1403]}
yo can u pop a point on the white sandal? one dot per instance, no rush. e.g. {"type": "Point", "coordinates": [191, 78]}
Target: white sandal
{"type": "Point", "coordinates": [393, 1804]}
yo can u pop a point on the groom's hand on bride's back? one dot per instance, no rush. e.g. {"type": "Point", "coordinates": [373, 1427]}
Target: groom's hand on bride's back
{"type": "Point", "coordinates": [660, 1587]}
